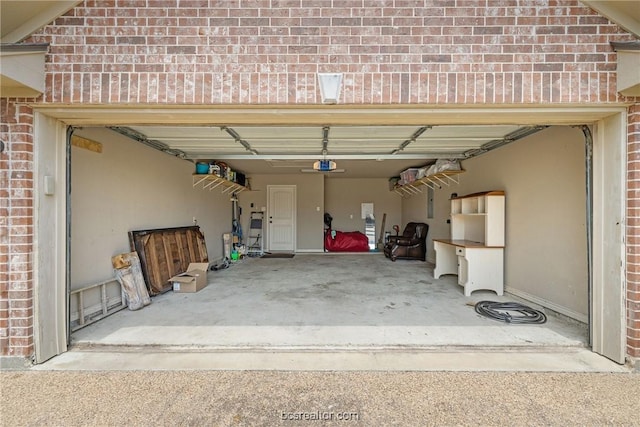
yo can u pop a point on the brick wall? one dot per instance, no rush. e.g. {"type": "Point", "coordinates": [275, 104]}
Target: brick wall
{"type": "Point", "coordinates": [269, 51]}
{"type": "Point", "coordinates": [633, 233]}
{"type": "Point", "coordinates": [16, 230]}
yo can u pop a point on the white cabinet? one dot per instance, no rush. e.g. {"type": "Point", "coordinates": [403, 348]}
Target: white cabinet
{"type": "Point", "coordinates": [479, 218]}
{"type": "Point", "coordinates": [475, 251]}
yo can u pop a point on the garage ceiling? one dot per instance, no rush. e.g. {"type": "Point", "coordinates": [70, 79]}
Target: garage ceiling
{"type": "Point", "coordinates": [359, 151]}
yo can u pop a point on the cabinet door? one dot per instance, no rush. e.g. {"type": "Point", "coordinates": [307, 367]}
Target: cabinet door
{"type": "Point", "coordinates": [463, 270]}
{"type": "Point", "coordinates": [494, 221]}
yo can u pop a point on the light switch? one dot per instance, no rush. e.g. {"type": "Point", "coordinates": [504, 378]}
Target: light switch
{"type": "Point", "coordinates": [49, 185]}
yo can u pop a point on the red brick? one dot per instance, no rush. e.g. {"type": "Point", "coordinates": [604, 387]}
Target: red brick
{"type": "Point", "coordinates": [633, 347]}
{"type": "Point", "coordinates": [4, 346]}
{"type": "Point", "coordinates": [23, 341]}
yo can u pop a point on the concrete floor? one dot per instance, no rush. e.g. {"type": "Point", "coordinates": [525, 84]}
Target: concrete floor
{"type": "Point", "coordinates": [319, 302]}
{"type": "Point", "coordinates": [327, 312]}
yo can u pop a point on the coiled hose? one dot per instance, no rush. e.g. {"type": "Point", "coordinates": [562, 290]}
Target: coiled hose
{"type": "Point", "coordinates": [502, 312]}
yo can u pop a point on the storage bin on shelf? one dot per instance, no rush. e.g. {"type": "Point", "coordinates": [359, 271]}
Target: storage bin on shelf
{"type": "Point", "coordinates": [408, 175]}
{"type": "Point", "coordinates": [442, 172]}
{"type": "Point", "coordinates": [202, 168]}
{"type": "Point", "coordinates": [218, 175]}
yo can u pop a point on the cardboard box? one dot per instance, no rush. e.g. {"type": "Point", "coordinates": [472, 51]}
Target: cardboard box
{"type": "Point", "coordinates": [192, 280]}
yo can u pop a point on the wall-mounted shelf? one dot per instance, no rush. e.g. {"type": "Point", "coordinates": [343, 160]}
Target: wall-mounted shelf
{"type": "Point", "coordinates": [437, 180]}
{"type": "Point", "coordinates": [211, 182]}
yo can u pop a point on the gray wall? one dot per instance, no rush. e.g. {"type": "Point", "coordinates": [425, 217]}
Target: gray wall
{"type": "Point", "coordinates": [317, 194]}
{"type": "Point", "coordinates": [130, 186]}
{"type": "Point", "coordinates": [309, 206]}
{"type": "Point", "coordinates": [344, 196]}
{"type": "Point", "coordinates": [543, 177]}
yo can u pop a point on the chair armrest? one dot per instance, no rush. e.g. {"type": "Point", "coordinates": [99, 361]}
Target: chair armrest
{"type": "Point", "coordinates": [404, 241]}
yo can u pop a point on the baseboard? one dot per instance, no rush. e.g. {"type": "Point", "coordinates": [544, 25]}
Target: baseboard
{"type": "Point", "coordinates": [547, 304]}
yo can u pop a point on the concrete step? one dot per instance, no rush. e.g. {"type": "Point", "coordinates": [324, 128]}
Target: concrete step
{"type": "Point", "coordinates": [525, 360]}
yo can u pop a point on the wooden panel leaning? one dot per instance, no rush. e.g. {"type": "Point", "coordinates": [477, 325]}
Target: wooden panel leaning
{"type": "Point", "coordinates": [128, 272]}
{"type": "Point", "coordinates": [166, 252]}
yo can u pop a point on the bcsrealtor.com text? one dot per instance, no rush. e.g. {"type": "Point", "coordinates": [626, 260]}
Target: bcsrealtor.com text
{"type": "Point", "coordinates": [318, 416]}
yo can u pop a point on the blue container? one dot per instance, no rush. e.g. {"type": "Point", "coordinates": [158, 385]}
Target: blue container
{"type": "Point", "coordinates": [202, 168]}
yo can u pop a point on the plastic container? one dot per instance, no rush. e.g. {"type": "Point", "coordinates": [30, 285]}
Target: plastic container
{"type": "Point", "coordinates": [202, 168]}
{"type": "Point", "coordinates": [409, 175]}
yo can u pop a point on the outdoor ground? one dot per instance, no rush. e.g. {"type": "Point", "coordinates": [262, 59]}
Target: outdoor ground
{"type": "Point", "coordinates": [254, 398]}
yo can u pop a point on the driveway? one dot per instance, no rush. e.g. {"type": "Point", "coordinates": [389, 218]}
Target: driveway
{"type": "Point", "coordinates": [260, 398]}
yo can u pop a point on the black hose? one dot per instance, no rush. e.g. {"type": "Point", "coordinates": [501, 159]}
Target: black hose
{"type": "Point", "coordinates": [502, 312]}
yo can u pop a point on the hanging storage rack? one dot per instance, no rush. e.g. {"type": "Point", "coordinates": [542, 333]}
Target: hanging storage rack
{"type": "Point", "coordinates": [434, 181]}
{"type": "Point", "coordinates": [210, 182]}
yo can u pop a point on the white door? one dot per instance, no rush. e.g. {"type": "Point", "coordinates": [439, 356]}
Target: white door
{"type": "Point", "coordinates": [281, 220]}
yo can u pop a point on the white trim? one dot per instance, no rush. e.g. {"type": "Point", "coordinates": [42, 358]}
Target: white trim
{"type": "Point", "coordinates": [49, 241]}
{"type": "Point", "coordinates": [622, 13]}
{"type": "Point", "coordinates": [22, 73]}
{"type": "Point", "coordinates": [35, 16]}
{"type": "Point", "coordinates": [608, 316]}
{"type": "Point", "coordinates": [289, 115]}
{"type": "Point", "coordinates": [547, 304]}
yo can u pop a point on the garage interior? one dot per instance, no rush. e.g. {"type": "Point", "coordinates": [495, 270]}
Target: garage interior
{"type": "Point", "coordinates": [142, 178]}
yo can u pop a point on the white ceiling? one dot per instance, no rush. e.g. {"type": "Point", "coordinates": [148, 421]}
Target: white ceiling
{"type": "Point", "coordinates": [362, 151]}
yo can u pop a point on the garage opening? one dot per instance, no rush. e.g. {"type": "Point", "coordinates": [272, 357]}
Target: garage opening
{"type": "Point", "coordinates": [144, 188]}
{"type": "Point", "coordinates": [139, 177]}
